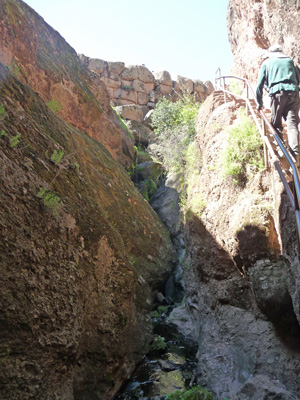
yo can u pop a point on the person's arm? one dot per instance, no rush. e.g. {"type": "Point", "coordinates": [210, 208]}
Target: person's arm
{"type": "Point", "coordinates": [260, 86]}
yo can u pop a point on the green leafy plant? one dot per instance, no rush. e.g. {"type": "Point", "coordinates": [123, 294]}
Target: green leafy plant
{"type": "Point", "coordinates": [2, 133]}
{"type": "Point", "coordinates": [50, 200]}
{"type": "Point", "coordinates": [236, 86]}
{"type": "Point", "coordinates": [57, 156]}
{"type": "Point", "coordinates": [158, 344]}
{"type": "Point", "coordinates": [2, 112]}
{"type": "Point", "coordinates": [243, 148]}
{"type": "Point", "coordinates": [195, 393]}
{"type": "Point", "coordinates": [54, 105]}
{"type": "Point", "coordinates": [174, 126]}
{"type": "Point", "coordinates": [14, 140]}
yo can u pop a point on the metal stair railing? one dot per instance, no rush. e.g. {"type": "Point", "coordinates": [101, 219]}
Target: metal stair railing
{"type": "Point", "coordinates": [262, 127]}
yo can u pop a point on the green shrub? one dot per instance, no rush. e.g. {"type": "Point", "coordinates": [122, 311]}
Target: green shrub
{"type": "Point", "coordinates": [243, 147]}
{"type": "Point", "coordinates": [158, 344]}
{"type": "Point", "coordinates": [195, 393]}
{"type": "Point", "coordinates": [174, 126]}
{"type": "Point", "coordinates": [57, 156]}
{"type": "Point", "coordinates": [236, 86]}
{"type": "Point", "coordinates": [2, 112]}
{"type": "Point", "coordinates": [55, 106]}
{"type": "Point", "coordinates": [14, 140]}
{"type": "Point", "coordinates": [50, 200]}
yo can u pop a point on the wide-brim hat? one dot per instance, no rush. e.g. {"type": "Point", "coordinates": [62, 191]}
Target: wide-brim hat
{"type": "Point", "coordinates": [276, 51]}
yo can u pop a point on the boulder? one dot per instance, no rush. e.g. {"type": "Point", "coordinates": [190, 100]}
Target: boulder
{"type": "Point", "coordinates": [148, 120]}
{"type": "Point", "coordinates": [143, 98]}
{"type": "Point", "coordinates": [126, 94]}
{"type": "Point", "coordinates": [97, 65]}
{"type": "Point", "coordinates": [142, 134]}
{"type": "Point", "coordinates": [166, 203]}
{"type": "Point", "coordinates": [163, 78]}
{"type": "Point", "coordinates": [209, 87]}
{"type": "Point", "coordinates": [140, 86]}
{"type": "Point", "coordinates": [138, 72]}
{"type": "Point", "coordinates": [164, 89]}
{"type": "Point", "coordinates": [150, 170]}
{"type": "Point", "coordinates": [131, 111]}
{"type": "Point", "coordinates": [199, 86]}
{"type": "Point", "coordinates": [185, 83]}
{"type": "Point", "coordinates": [116, 67]}
{"type": "Point", "coordinates": [111, 83]}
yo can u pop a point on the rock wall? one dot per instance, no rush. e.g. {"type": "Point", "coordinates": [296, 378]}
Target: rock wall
{"type": "Point", "coordinates": [82, 253]}
{"type": "Point", "coordinates": [241, 274]}
{"type": "Point", "coordinates": [255, 25]}
{"type": "Point", "coordinates": [41, 58]}
{"type": "Point", "coordinates": [135, 84]}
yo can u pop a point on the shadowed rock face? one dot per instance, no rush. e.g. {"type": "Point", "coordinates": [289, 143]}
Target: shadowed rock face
{"type": "Point", "coordinates": [255, 25]}
{"type": "Point", "coordinates": [41, 58]}
{"type": "Point", "coordinates": [81, 251]}
{"type": "Point", "coordinates": [242, 279]}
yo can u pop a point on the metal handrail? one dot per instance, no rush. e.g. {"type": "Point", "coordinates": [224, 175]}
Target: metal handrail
{"type": "Point", "coordinates": [293, 197]}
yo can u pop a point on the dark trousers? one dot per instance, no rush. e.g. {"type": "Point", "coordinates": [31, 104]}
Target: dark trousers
{"type": "Point", "coordinates": [285, 104]}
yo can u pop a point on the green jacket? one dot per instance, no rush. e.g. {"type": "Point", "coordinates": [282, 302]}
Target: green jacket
{"type": "Point", "coordinates": [278, 73]}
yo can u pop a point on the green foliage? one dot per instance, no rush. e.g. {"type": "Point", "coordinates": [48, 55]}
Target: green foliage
{"type": "Point", "coordinates": [195, 393]}
{"type": "Point", "coordinates": [158, 343]}
{"type": "Point", "coordinates": [2, 112]}
{"type": "Point", "coordinates": [147, 188]}
{"type": "Point", "coordinates": [2, 133]}
{"type": "Point", "coordinates": [174, 125]}
{"type": "Point", "coordinates": [54, 105]}
{"type": "Point", "coordinates": [243, 148]}
{"type": "Point", "coordinates": [14, 140]}
{"type": "Point", "coordinates": [57, 156]}
{"type": "Point", "coordinates": [50, 200]}
{"type": "Point", "coordinates": [236, 86]}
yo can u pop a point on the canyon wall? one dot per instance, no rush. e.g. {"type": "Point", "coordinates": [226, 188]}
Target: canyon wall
{"type": "Point", "coordinates": [255, 25]}
{"type": "Point", "coordinates": [242, 269]}
{"type": "Point", "coordinates": [82, 252]}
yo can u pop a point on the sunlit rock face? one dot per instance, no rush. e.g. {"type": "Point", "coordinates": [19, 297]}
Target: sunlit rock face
{"type": "Point", "coordinates": [253, 26]}
{"type": "Point", "coordinates": [40, 57]}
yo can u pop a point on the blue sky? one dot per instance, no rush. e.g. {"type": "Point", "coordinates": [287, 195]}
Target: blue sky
{"type": "Point", "coordinates": [187, 38]}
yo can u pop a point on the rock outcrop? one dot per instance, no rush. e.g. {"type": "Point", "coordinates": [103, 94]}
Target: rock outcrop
{"type": "Point", "coordinates": [82, 253]}
{"type": "Point", "coordinates": [255, 25]}
{"type": "Point", "coordinates": [242, 275]}
{"type": "Point", "coordinates": [41, 58]}
{"type": "Point", "coordinates": [135, 84]}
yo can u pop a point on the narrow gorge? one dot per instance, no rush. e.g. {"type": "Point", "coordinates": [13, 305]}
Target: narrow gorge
{"type": "Point", "coordinates": [132, 265]}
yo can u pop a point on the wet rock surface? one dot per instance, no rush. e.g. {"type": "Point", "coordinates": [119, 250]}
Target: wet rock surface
{"type": "Point", "coordinates": [169, 366]}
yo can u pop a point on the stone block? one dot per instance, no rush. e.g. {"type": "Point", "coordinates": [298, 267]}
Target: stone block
{"type": "Point", "coordinates": [163, 77]}
{"type": "Point", "coordinates": [138, 72]}
{"type": "Point", "coordinates": [209, 87]}
{"type": "Point", "coordinates": [111, 83]}
{"type": "Point", "coordinates": [126, 94]}
{"type": "Point", "coordinates": [97, 65]}
{"type": "Point", "coordinates": [142, 98]}
{"type": "Point", "coordinates": [185, 83]}
{"type": "Point", "coordinates": [131, 111]}
{"type": "Point", "coordinates": [116, 67]}
{"type": "Point", "coordinates": [140, 86]}
{"type": "Point", "coordinates": [199, 86]}
{"type": "Point", "coordinates": [164, 89]}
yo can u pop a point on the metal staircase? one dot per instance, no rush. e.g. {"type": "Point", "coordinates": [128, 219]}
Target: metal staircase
{"type": "Point", "coordinates": [276, 154]}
